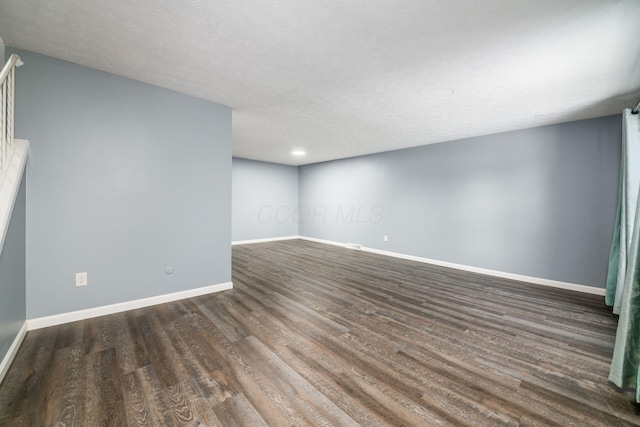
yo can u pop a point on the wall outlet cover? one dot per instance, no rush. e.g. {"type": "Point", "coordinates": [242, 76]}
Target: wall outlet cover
{"type": "Point", "coordinates": [81, 279]}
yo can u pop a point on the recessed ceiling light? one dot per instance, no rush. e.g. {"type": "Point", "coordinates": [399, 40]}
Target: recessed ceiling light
{"type": "Point", "coordinates": [298, 152]}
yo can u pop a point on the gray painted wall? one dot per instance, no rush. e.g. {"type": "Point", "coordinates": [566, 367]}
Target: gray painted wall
{"type": "Point", "coordinates": [264, 200]}
{"type": "Point", "coordinates": [12, 275]}
{"type": "Point", "coordinates": [538, 202]}
{"type": "Point", "coordinates": [125, 179]}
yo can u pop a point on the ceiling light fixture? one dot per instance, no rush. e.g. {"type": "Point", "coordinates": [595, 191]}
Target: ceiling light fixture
{"type": "Point", "coordinates": [298, 152]}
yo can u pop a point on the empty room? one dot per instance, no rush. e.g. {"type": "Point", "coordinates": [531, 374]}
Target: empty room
{"type": "Point", "coordinates": [320, 213]}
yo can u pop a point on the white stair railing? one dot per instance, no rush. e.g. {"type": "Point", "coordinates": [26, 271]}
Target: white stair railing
{"type": "Point", "coordinates": [7, 86]}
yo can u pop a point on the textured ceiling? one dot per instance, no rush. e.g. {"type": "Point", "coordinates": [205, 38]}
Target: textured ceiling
{"type": "Point", "coordinates": [345, 78]}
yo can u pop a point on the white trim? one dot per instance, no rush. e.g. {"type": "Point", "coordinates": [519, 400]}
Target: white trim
{"type": "Point", "coordinates": [13, 350]}
{"type": "Point", "coordinates": [268, 239]}
{"type": "Point", "coordinates": [72, 316]}
{"type": "Point", "coordinates": [14, 60]}
{"type": "Point", "coordinates": [11, 185]}
{"type": "Point", "coordinates": [485, 271]}
{"type": "Point", "coordinates": [326, 242]}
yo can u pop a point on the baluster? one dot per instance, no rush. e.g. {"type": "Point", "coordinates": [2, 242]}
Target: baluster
{"type": "Point", "coordinates": [10, 111]}
{"type": "Point", "coordinates": [7, 98]}
{"type": "Point", "coordinates": [3, 131]}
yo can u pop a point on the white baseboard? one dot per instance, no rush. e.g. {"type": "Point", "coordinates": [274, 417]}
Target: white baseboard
{"type": "Point", "coordinates": [268, 239]}
{"type": "Point", "coordinates": [72, 316]}
{"type": "Point", "coordinates": [485, 271]}
{"type": "Point", "coordinates": [11, 354]}
{"type": "Point", "coordinates": [326, 242]}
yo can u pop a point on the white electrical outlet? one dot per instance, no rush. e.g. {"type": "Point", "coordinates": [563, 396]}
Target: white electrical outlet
{"type": "Point", "coordinates": [81, 279]}
{"type": "Point", "coordinates": [386, 238]}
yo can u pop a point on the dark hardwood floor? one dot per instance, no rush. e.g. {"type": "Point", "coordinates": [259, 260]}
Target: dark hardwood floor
{"type": "Point", "coordinates": [319, 335]}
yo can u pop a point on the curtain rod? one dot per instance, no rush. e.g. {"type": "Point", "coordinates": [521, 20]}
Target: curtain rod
{"type": "Point", "coordinates": [637, 109]}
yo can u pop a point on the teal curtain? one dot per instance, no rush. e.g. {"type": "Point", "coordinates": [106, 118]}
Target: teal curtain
{"type": "Point", "coordinates": [623, 278]}
{"type": "Point", "coordinates": [625, 217]}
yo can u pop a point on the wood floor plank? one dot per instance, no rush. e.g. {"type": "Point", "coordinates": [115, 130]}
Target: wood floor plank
{"type": "Point", "coordinates": [179, 403]}
{"type": "Point", "coordinates": [146, 403]}
{"type": "Point", "coordinates": [136, 408]}
{"type": "Point", "coordinates": [320, 335]}
{"type": "Point", "coordinates": [204, 413]}
{"type": "Point", "coordinates": [27, 375]}
{"type": "Point", "coordinates": [315, 407]}
{"type": "Point", "coordinates": [238, 411]}
{"type": "Point", "coordinates": [261, 391]}
{"type": "Point", "coordinates": [65, 398]}
{"type": "Point", "coordinates": [72, 334]}
{"type": "Point", "coordinates": [310, 360]}
{"type": "Point", "coordinates": [221, 312]}
{"type": "Point", "coordinates": [162, 354]}
{"type": "Point", "coordinates": [103, 402]}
